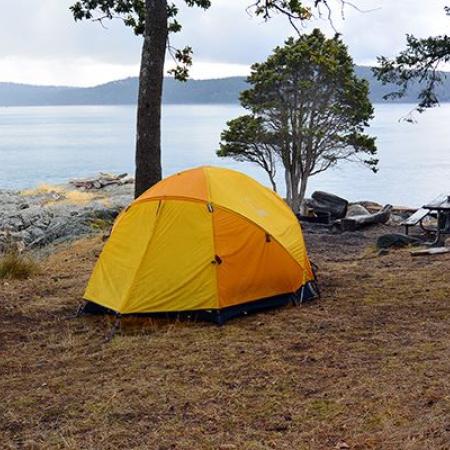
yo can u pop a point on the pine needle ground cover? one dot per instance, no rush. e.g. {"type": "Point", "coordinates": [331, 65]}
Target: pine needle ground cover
{"type": "Point", "coordinates": [366, 367]}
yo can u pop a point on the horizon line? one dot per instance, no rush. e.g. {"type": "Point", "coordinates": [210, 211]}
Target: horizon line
{"type": "Point", "coordinates": [66, 86]}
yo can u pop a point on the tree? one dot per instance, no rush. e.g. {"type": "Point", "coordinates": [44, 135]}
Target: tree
{"type": "Point", "coordinates": [248, 140]}
{"type": "Point", "coordinates": [420, 61]}
{"type": "Point", "coordinates": [307, 110]}
{"type": "Point", "coordinates": [154, 20]}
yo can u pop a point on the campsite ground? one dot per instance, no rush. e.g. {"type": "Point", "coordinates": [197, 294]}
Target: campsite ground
{"type": "Point", "coordinates": [366, 367]}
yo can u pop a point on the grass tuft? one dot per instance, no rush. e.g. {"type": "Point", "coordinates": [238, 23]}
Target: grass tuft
{"type": "Point", "coordinates": [15, 266]}
{"type": "Point", "coordinates": [101, 224]}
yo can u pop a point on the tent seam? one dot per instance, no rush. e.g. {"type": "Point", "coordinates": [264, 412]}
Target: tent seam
{"type": "Point", "coordinates": [208, 188]}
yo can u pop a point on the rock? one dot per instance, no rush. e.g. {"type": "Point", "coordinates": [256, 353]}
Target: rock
{"type": "Point", "coordinates": [52, 216]}
{"type": "Point", "coordinates": [357, 210]}
{"type": "Point", "coordinates": [15, 223]}
{"type": "Point", "coordinates": [105, 213]}
{"type": "Point", "coordinates": [34, 234]}
{"type": "Point", "coordinates": [42, 224]}
{"type": "Point", "coordinates": [383, 252]}
{"type": "Point", "coordinates": [396, 240]}
{"type": "Point", "coordinates": [395, 220]}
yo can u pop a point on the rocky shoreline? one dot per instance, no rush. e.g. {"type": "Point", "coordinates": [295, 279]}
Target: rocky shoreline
{"type": "Point", "coordinates": [33, 219]}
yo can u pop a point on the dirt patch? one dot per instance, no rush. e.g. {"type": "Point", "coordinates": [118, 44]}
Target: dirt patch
{"type": "Point", "coordinates": [366, 366]}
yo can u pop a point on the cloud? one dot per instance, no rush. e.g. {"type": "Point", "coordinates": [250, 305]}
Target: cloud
{"type": "Point", "coordinates": [63, 72]}
{"type": "Point", "coordinates": [46, 46]}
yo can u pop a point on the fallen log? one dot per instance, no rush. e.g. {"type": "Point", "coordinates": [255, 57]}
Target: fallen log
{"type": "Point", "coordinates": [111, 177]}
{"type": "Point", "coordinates": [103, 180]}
{"type": "Point", "coordinates": [356, 222]}
{"type": "Point", "coordinates": [431, 251]}
{"type": "Point", "coordinates": [327, 207]}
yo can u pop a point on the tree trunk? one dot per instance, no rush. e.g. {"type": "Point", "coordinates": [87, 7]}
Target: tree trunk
{"type": "Point", "coordinates": [148, 142]}
{"type": "Point", "coordinates": [273, 183]}
{"type": "Point", "coordinates": [302, 191]}
{"type": "Point", "coordinates": [296, 203]}
{"type": "Point", "coordinates": [288, 179]}
{"type": "Point", "coordinates": [296, 194]}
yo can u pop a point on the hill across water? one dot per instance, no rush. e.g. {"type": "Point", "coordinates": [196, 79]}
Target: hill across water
{"type": "Point", "coordinates": [214, 91]}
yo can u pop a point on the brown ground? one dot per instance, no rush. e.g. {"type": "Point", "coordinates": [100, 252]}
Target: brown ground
{"type": "Point", "coordinates": [366, 367]}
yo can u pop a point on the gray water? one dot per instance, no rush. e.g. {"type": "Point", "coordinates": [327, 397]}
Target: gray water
{"type": "Point", "coordinates": [54, 144]}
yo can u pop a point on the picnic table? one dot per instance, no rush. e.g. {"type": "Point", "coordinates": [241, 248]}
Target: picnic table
{"type": "Point", "coordinates": [442, 208]}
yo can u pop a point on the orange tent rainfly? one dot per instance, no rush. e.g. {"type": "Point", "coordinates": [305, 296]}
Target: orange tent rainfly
{"type": "Point", "coordinates": [208, 241]}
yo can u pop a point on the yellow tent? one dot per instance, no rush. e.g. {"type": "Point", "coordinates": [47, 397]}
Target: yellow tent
{"type": "Point", "coordinates": [206, 239]}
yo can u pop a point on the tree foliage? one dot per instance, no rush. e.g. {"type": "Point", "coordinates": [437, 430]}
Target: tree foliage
{"type": "Point", "coordinates": [248, 140]}
{"type": "Point", "coordinates": [133, 13]}
{"type": "Point", "coordinates": [307, 110]}
{"type": "Point", "coordinates": [420, 61]}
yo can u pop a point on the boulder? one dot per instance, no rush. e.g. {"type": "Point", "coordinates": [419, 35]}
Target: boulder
{"type": "Point", "coordinates": [396, 240]}
{"type": "Point", "coordinates": [357, 210]}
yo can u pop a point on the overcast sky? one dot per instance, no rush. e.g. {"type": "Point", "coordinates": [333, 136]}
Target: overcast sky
{"type": "Point", "coordinates": [45, 46]}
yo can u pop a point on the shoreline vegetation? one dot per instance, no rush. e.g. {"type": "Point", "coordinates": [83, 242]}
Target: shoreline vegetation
{"type": "Point", "coordinates": [364, 367]}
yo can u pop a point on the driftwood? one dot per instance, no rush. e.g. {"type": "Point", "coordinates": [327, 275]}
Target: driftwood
{"type": "Point", "coordinates": [326, 206]}
{"type": "Point", "coordinates": [104, 179]}
{"type": "Point", "coordinates": [355, 222]}
{"type": "Point", "coordinates": [431, 251]}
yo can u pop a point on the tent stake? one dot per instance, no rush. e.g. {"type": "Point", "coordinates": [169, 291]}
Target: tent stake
{"type": "Point", "coordinates": [114, 328]}
{"type": "Point", "coordinates": [80, 309]}
{"type": "Point", "coordinates": [315, 282]}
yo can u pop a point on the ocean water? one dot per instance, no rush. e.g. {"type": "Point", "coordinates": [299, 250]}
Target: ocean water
{"type": "Point", "coordinates": [54, 144]}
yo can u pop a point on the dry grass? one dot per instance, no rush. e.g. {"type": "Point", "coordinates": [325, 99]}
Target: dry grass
{"type": "Point", "coordinates": [367, 365]}
{"type": "Point", "coordinates": [62, 195]}
{"type": "Point", "coordinates": [78, 197]}
{"type": "Point", "coordinates": [14, 265]}
{"type": "Point", "coordinates": [43, 188]}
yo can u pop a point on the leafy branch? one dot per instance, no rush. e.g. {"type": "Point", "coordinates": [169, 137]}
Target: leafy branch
{"type": "Point", "coordinates": [133, 15]}
{"type": "Point", "coordinates": [420, 62]}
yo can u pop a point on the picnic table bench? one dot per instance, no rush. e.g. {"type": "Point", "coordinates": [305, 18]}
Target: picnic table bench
{"type": "Point", "coordinates": [442, 208]}
{"type": "Point", "coordinates": [420, 214]}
